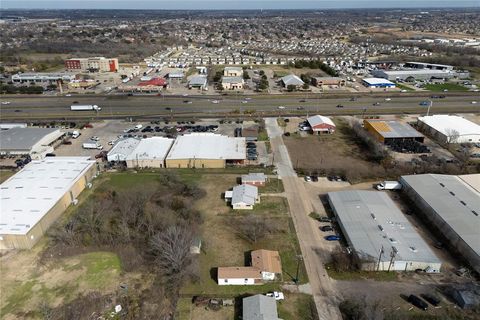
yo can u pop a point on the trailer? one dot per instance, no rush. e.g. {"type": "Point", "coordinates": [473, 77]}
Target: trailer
{"type": "Point", "coordinates": [92, 145]}
{"type": "Point", "coordinates": [85, 107]}
{"type": "Point", "coordinates": [389, 185]}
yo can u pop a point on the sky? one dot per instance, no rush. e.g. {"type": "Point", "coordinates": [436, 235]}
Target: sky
{"type": "Point", "coordinates": [231, 4]}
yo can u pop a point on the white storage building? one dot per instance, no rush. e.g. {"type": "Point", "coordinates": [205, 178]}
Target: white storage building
{"type": "Point", "coordinates": [37, 195]}
{"type": "Point", "coordinates": [36, 142]}
{"type": "Point", "coordinates": [376, 230]}
{"type": "Point", "coordinates": [149, 153]}
{"type": "Point", "coordinates": [122, 149]}
{"type": "Point", "coordinates": [450, 129]}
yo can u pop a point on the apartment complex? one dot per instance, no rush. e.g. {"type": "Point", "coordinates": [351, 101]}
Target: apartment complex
{"type": "Point", "coordinates": [94, 64]}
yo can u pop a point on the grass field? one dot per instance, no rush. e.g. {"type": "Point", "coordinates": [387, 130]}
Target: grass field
{"type": "Point", "coordinates": [445, 86]}
{"type": "Point", "coordinates": [5, 174]}
{"type": "Point", "coordinates": [361, 275]}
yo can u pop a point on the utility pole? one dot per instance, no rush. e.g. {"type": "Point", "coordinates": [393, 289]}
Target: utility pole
{"type": "Point", "coordinates": [392, 256]}
{"type": "Point", "coordinates": [379, 258]}
{"type": "Point", "coordinates": [299, 258]}
{"type": "Point", "coordinates": [429, 106]}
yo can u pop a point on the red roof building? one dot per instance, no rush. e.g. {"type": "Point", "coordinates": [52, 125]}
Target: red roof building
{"type": "Point", "coordinates": [158, 82]}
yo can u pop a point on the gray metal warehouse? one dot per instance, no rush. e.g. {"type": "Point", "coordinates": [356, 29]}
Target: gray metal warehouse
{"type": "Point", "coordinates": [379, 233]}
{"type": "Point", "coordinates": [452, 206]}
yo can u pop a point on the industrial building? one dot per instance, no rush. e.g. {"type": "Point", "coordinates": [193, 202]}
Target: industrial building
{"type": "Point", "coordinates": [451, 205]}
{"type": "Point", "coordinates": [93, 64]}
{"type": "Point", "coordinates": [36, 142]}
{"type": "Point", "coordinates": [387, 131]}
{"type": "Point", "coordinates": [450, 129]}
{"type": "Point", "coordinates": [418, 74]}
{"type": "Point", "coordinates": [424, 65]}
{"type": "Point", "coordinates": [379, 233]}
{"type": "Point", "coordinates": [122, 149]}
{"type": "Point", "coordinates": [328, 81]}
{"type": "Point", "coordinates": [42, 78]}
{"type": "Point", "coordinates": [37, 195]}
{"type": "Point", "coordinates": [206, 150]}
{"type": "Point", "coordinates": [198, 82]}
{"type": "Point", "coordinates": [321, 124]}
{"type": "Point", "coordinates": [149, 153]}
{"type": "Point", "coordinates": [377, 83]}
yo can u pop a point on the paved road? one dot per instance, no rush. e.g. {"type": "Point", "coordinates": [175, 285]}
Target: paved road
{"type": "Point", "coordinates": [323, 288]}
{"type": "Point", "coordinates": [48, 107]}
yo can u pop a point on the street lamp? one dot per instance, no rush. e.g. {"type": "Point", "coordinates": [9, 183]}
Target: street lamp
{"type": "Point", "coordinates": [299, 258]}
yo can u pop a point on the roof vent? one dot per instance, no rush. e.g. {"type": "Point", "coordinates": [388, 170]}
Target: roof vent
{"type": "Point", "coordinates": [380, 227]}
{"type": "Point", "coordinates": [373, 216]}
{"type": "Point", "coordinates": [413, 249]}
{"type": "Point", "coordinates": [452, 193]}
{"type": "Point", "coordinates": [392, 240]}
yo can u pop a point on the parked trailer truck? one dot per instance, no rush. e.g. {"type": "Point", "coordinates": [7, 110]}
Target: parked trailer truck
{"type": "Point", "coordinates": [85, 107]}
{"type": "Point", "coordinates": [92, 145]}
{"type": "Point", "coordinates": [389, 185]}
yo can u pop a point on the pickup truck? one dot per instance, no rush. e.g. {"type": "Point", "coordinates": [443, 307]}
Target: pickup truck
{"type": "Point", "coordinates": [389, 185]}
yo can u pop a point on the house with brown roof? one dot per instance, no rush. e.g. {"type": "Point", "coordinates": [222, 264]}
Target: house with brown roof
{"type": "Point", "coordinates": [266, 266]}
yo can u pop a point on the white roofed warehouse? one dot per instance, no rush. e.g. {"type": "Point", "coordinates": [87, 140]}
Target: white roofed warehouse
{"type": "Point", "coordinates": [37, 195]}
{"type": "Point", "coordinates": [36, 142]}
{"type": "Point", "coordinates": [206, 150]}
{"type": "Point", "coordinates": [321, 124]}
{"type": "Point", "coordinates": [149, 153]}
{"type": "Point", "coordinates": [377, 83]}
{"type": "Point", "coordinates": [451, 206]}
{"type": "Point", "coordinates": [450, 129]}
{"type": "Point", "coordinates": [376, 230]}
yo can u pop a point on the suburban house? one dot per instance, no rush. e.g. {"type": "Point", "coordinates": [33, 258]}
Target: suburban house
{"type": "Point", "coordinates": [328, 81]}
{"type": "Point", "coordinates": [254, 179]}
{"type": "Point", "coordinates": [266, 266]}
{"type": "Point", "coordinates": [232, 83]}
{"type": "Point", "coordinates": [321, 124]}
{"type": "Point", "coordinates": [243, 197]}
{"type": "Point", "coordinates": [233, 72]}
{"type": "Point", "coordinates": [259, 307]}
{"type": "Point", "coordinates": [291, 80]}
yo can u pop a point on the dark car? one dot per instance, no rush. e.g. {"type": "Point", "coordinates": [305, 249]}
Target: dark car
{"type": "Point", "coordinates": [68, 142]}
{"type": "Point", "coordinates": [50, 155]}
{"type": "Point", "coordinates": [324, 219]}
{"type": "Point", "coordinates": [287, 134]}
{"type": "Point", "coordinates": [314, 178]}
{"type": "Point", "coordinates": [417, 302]}
{"type": "Point", "coordinates": [303, 100]}
{"type": "Point", "coordinates": [339, 106]}
{"type": "Point", "coordinates": [326, 228]}
{"type": "Point", "coordinates": [332, 237]}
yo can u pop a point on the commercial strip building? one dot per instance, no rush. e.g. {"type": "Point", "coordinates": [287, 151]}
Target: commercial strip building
{"type": "Point", "coordinates": [232, 83]}
{"type": "Point", "coordinates": [42, 78]}
{"type": "Point", "coordinates": [328, 81]}
{"type": "Point", "coordinates": [36, 142]}
{"type": "Point", "coordinates": [387, 131]}
{"type": "Point", "coordinates": [259, 307]}
{"type": "Point", "coordinates": [266, 266]}
{"type": "Point", "coordinates": [93, 64]}
{"type": "Point", "coordinates": [451, 205]}
{"type": "Point", "coordinates": [377, 83]}
{"type": "Point", "coordinates": [379, 233]}
{"type": "Point", "coordinates": [206, 150]}
{"type": "Point", "coordinates": [450, 129]}
{"type": "Point", "coordinates": [321, 124]}
{"type": "Point", "coordinates": [419, 74]}
{"type": "Point", "coordinates": [37, 195]}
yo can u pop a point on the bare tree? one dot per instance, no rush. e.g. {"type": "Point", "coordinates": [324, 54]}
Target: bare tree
{"type": "Point", "coordinates": [452, 135]}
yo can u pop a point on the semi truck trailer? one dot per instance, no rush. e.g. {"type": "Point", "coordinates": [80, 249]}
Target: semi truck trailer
{"type": "Point", "coordinates": [85, 107]}
{"type": "Point", "coordinates": [92, 145]}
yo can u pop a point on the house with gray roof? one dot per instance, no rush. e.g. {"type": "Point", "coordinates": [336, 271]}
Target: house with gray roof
{"type": "Point", "coordinates": [291, 80]}
{"type": "Point", "coordinates": [259, 307]}
{"type": "Point", "coordinates": [243, 197]}
{"type": "Point", "coordinates": [198, 82]}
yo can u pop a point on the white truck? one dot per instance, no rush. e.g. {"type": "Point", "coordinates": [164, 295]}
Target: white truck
{"type": "Point", "coordinates": [75, 134]}
{"type": "Point", "coordinates": [92, 145]}
{"type": "Point", "coordinates": [85, 107]}
{"type": "Point", "coordinates": [389, 185]}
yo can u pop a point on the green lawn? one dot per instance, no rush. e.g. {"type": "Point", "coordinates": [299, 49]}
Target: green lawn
{"type": "Point", "coordinates": [297, 306]}
{"type": "Point", "coordinates": [5, 174]}
{"type": "Point", "coordinates": [445, 86]}
{"type": "Point", "coordinates": [273, 185]}
{"type": "Point", "coordinates": [403, 87]}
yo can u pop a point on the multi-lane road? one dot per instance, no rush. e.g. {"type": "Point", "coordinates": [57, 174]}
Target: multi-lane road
{"type": "Point", "coordinates": [53, 107]}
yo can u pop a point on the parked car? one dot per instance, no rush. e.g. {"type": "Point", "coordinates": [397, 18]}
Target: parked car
{"type": "Point", "coordinates": [67, 142]}
{"type": "Point", "coordinates": [287, 134]}
{"type": "Point", "coordinates": [308, 179]}
{"type": "Point", "coordinates": [314, 178]}
{"type": "Point", "coordinates": [281, 107]}
{"type": "Point", "coordinates": [50, 155]}
{"type": "Point", "coordinates": [300, 108]}
{"type": "Point", "coordinates": [332, 238]}
{"type": "Point", "coordinates": [417, 302]}
{"type": "Point", "coordinates": [326, 228]}
{"type": "Point", "coordinates": [276, 294]}
{"type": "Point", "coordinates": [324, 219]}
{"type": "Point", "coordinates": [95, 138]}
{"type": "Point", "coordinates": [432, 299]}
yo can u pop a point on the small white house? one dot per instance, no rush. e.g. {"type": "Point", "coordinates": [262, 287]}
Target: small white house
{"type": "Point", "coordinates": [243, 197]}
{"type": "Point", "coordinates": [238, 276]}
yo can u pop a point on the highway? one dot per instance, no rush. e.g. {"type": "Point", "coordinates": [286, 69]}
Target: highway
{"type": "Point", "coordinates": [119, 106]}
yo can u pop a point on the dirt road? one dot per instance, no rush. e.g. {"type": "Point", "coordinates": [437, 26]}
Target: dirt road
{"type": "Point", "coordinates": [311, 242]}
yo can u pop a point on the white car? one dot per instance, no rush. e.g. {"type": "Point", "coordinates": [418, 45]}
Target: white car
{"type": "Point", "coordinates": [68, 95]}
{"type": "Point", "coordinates": [474, 102]}
{"type": "Point", "coordinates": [6, 102]}
{"type": "Point", "coordinates": [308, 179]}
{"type": "Point", "coordinates": [281, 107]}
{"type": "Point", "coordinates": [244, 101]}
{"type": "Point", "coordinates": [403, 90]}
{"type": "Point", "coordinates": [215, 101]}
{"type": "Point", "coordinates": [185, 94]}
{"type": "Point", "coordinates": [111, 143]}
{"type": "Point", "coordinates": [388, 99]}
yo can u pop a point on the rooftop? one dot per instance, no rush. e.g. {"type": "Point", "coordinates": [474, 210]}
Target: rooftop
{"type": "Point", "coordinates": [372, 221]}
{"type": "Point", "coordinates": [319, 120]}
{"type": "Point", "coordinates": [232, 79]}
{"type": "Point", "coordinates": [259, 307]}
{"type": "Point", "coordinates": [122, 149]}
{"type": "Point", "coordinates": [28, 195]}
{"type": "Point", "coordinates": [198, 80]}
{"type": "Point", "coordinates": [394, 129]}
{"type": "Point", "coordinates": [151, 149]}
{"type": "Point", "coordinates": [260, 176]}
{"type": "Point", "coordinates": [267, 260]}
{"type": "Point", "coordinates": [238, 273]}
{"type": "Point", "coordinates": [454, 199]}
{"type": "Point", "coordinates": [445, 123]}
{"type": "Point", "coordinates": [292, 79]}
{"type": "Point", "coordinates": [374, 81]}
{"type": "Point", "coordinates": [207, 146]}
{"type": "Point", "coordinates": [244, 193]}
{"type": "Point", "coordinates": [416, 71]}
{"type": "Point", "coordinates": [26, 138]}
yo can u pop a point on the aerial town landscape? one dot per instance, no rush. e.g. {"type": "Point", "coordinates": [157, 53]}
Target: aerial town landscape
{"type": "Point", "coordinates": [316, 164]}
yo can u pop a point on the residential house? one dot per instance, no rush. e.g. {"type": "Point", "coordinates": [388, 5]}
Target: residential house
{"type": "Point", "coordinates": [259, 307]}
{"type": "Point", "coordinates": [321, 124]}
{"type": "Point", "coordinates": [243, 197]}
{"type": "Point", "coordinates": [254, 179]}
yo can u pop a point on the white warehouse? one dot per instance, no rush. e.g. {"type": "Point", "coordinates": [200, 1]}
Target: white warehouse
{"type": "Point", "coordinates": [376, 230]}
{"type": "Point", "coordinates": [450, 129]}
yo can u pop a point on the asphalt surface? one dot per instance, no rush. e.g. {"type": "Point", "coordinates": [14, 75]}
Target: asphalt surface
{"type": "Point", "coordinates": [309, 237]}
{"type": "Point", "coordinates": [52, 107]}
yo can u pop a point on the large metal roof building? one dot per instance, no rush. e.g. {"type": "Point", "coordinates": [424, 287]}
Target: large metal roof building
{"type": "Point", "coordinates": [37, 195]}
{"type": "Point", "coordinates": [452, 206]}
{"type": "Point", "coordinates": [33, 141]}
{"type": "Point", "coordinates": [450, 129]}
{"type": "Point", "coordinates": [388, 130]}
{"type": "Point", "coordinates": [376, 229]}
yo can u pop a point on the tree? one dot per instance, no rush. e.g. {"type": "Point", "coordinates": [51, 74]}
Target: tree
{"type": "Point", "coordinates": [452, 135]}
{"type": "Point", "coordinates": [291, 87]}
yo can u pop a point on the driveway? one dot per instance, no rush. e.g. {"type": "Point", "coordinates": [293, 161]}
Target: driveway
{"type": "Point", "coordinates": [312, 245]}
